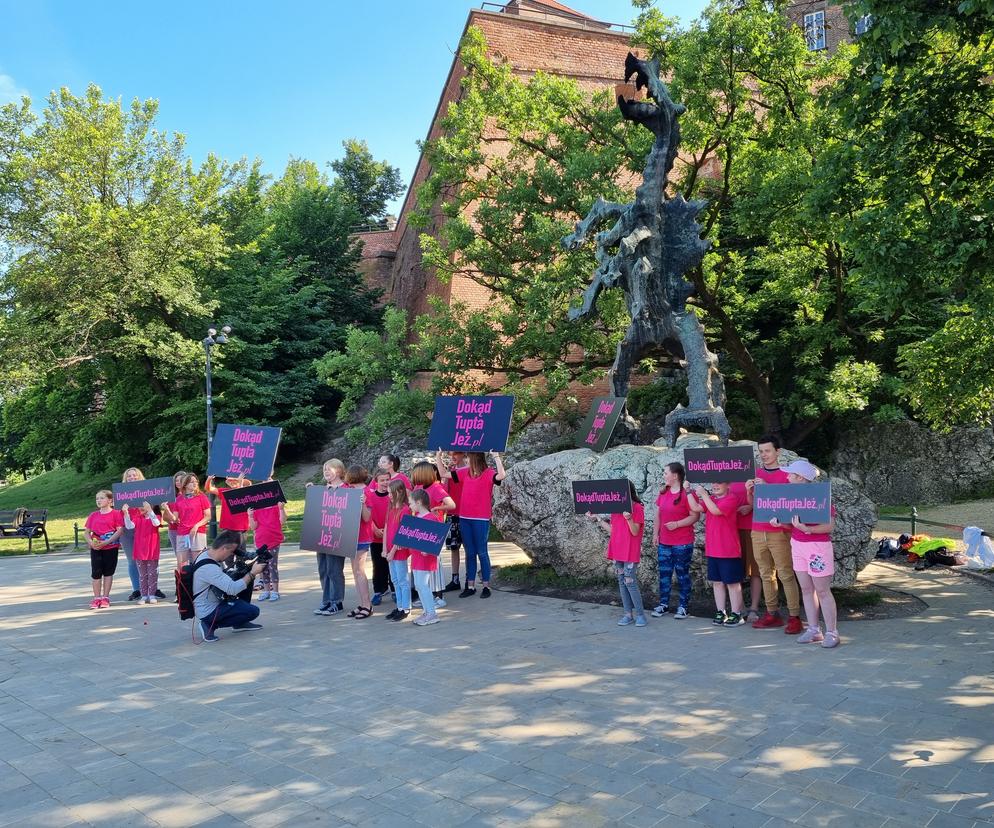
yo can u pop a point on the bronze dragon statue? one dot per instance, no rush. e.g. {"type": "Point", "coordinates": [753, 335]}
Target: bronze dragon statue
{"type": "Point", "coordinates": [655, 240]}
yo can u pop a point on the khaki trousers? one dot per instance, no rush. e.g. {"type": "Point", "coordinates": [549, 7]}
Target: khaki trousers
{"type": "Point", "coordinates": [772, 553]}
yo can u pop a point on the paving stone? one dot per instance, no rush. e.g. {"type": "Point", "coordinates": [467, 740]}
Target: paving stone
{"type": "Point", "coordinates": [561, 724]}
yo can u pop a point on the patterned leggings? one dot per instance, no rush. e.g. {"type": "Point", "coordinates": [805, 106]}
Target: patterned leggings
{"type": "Point", "coordinates": [271, 574]}
{"type": "Point", "coordinates": [148, 577]}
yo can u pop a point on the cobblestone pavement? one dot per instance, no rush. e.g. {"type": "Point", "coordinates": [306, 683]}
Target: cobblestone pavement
{"type": "Point", "coordinates": [514, 710]}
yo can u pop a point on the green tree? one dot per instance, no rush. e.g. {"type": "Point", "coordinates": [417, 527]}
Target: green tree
{"type": "Point", "coordinates": [107, 224]}
{"type": "Point", "coordinates": [921, 103]}
{"type": "Point", "coordinates": [366, 184]}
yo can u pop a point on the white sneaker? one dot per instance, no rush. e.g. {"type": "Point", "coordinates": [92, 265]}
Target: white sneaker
{"type": "Point", "coordinates": [151, 600]}
{"type": "Point", "coordinates": [681, 612]}
{"type": "Point", "coordinates": [439, 602]}
{"type": "Point", "coordinates": [425, 619]}
{"type": "Point", "coordinates": [659, 611]}
{"type": "Point", "coordinates": [264, 595]}
{"type": "Point", "coordinates": [274, 596]}
{"type": "Point", "coordinates": [417, 605]}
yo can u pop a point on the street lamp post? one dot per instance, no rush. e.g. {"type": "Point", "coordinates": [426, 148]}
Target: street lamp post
{"type": "Point", "coordinates": [213, 338]}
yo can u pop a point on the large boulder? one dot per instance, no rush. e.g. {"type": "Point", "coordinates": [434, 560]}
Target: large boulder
{"type": "Point", "coordinates": [905, 463]}
{"type": "Point", "coordinates": [534, 508]}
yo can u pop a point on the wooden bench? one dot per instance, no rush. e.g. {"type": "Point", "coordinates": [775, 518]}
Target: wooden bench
{"type": "Point", "coordinates": [24, 523]}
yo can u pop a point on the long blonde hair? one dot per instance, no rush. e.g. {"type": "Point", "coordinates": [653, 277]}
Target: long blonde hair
{"type": "Point", "coordinates": [124, 477]}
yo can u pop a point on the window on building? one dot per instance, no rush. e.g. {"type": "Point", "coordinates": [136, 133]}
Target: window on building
{"type": "Point", "coordinates": [814, 30]}
{"type": "Point", "coordinates": [863, 24]}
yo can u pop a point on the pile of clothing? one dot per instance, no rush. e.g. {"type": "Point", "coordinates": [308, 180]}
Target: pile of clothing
{"type": "Point", "coordinates": [925, 551]}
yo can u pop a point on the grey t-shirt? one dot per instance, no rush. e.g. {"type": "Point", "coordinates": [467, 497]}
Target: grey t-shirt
{"type": "Point", "coordinates": [205, 600]}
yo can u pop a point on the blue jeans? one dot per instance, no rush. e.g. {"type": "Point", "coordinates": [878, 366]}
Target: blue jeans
{"type": "Point", "coordinates": [475, 533]}
{"type": "Point", "coordinates": [128, 547]}
{"type": "Point", "coordinates": [331, 571]}
{"type": "Point", "coordinates": [628, 585]}
{"type": "Point", "coordinates": [401, 584]}
{"type": "Point", "coordinates": [678, 558]}
{"type": "Point", "coordinates": [422, 582]}
{"type": "Point", "coordinates": [231, 614]}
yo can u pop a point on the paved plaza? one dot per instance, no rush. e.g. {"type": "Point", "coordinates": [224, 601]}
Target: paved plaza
{"type": "Point", "coordinates": [517, 710]}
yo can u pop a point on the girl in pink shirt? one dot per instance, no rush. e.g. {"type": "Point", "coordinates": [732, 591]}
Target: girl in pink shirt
{"type": "Point", "coordinates": [476, 494]}
{"type": "Point", "coordinates": [427, 476]}
{"type": "Point", "coordinates": [267, 527]}
{"type": "Point", "coordinates": [722, 549]}
{"type": "Point", "coordinates": [391, 463]}
{"type": "Point", "coordinates": [422, 565]}
{"type": "Point", "coordinates": [144, 525]}
{"type": "Point", "coordinates": [357, 477]}
{"type": "Point", "coordinates": [624, 549]}
{"type": "Point", "coordinates": [103, 533]}
{"type": "Point", "coordinates": [193, 511]}
{"type": "Point", "coordinates": [396, 555]}
{"type": "Point", "coordinates": [378, 499]}
{"type": "Point", "coordinates": [673, 537]}
{"type": "Point", "coordinates": [814, 565]}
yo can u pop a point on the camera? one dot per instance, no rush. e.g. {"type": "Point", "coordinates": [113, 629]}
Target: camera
{"type": "Point", "coordinates": [244, 560]}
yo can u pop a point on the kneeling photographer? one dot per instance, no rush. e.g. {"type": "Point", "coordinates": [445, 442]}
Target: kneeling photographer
{"type": "Point", "coordinates": [217, 592]}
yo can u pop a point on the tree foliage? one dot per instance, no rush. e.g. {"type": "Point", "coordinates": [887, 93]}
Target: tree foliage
{"type": "Point", "coordinates": [118, 256]}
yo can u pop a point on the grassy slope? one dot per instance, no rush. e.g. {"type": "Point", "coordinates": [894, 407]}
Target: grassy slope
{"type": "Point", "coordinates": [68, 496]}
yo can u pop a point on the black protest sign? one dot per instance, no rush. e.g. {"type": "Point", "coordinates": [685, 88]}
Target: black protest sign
{"type": "Point", "coordinates": [331, 521]}
{"type": "Point", "coordinates": [244, 450]}
{"type": "Point", "coordinates": [154, 492]}
{"type": "Point", "coordinates": [810, 502]}
{"type": "Point", "coordinates": [602, 497]}
{"type": "Point", "coordinates": [732, 464]}
{"type": "Point", "coordinates": [423, 534]}
{"type": "Point", "coordinates": [595, 433]}
{"type": "Point", "coordinates": [258, 496]}
{"type": "Point", "coordinates": [471, 423]}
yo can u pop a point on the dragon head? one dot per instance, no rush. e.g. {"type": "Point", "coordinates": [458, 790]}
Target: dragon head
{"type": "Point", "coordinates": [659, 111]}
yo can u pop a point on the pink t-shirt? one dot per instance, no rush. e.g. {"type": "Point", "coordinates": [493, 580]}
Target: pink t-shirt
{"type": "Point", "coordinates": [391, 524]}
{"type": "Point", "coordinates": [403, 477]}
{"type": "Point", "coordinates": [477, 498]}
{"type": "Point", "coordinates": [236, 523]}
{"type": "Point", "coordinates": [721, 534]}
{"type": "Point", "coordinates": [623, 545]}
{"type": "Point", "coordinates": [421, 562]}
{"type": "Point", "coordinates": [778, 475]}
{"type": "Point", "coordinates": [191, 511]}
{"type": "Point", "coordinates": [822, 537]}
{"type": "Point", "coordinates": [455, 486]}
{"type": "Point", "coordinates": [436, 494]}
{"type": "Point", "coordinates": [671, 507]}
{"type": "Point", "coordinates": [366, 526]}
{"type": "Point", "coordinates": [268, 527]}
{"type": "Point", "coordinates": [378, 505]}
{"type": "Point", "coordinates": [739, 490]}
{"type": "Point", "coordinates": [147, 539]}
{"type": "Point", "coordinates": [104, 524]}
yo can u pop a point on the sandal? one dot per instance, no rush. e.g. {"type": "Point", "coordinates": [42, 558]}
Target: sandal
{"type": "Point", "coordinates": [361, 612]}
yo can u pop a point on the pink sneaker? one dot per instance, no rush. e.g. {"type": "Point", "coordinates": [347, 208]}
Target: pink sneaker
{"type": "Point", "coordinates": [104, 603]}
{"type": "Point", "coordinates": [95, 603]}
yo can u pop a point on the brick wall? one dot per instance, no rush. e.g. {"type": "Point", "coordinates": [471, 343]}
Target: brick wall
{"type": "Point", "coordinates": [837, 28]}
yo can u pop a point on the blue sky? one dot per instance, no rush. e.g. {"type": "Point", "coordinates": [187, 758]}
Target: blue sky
{"type": "Point", "coordinates": [257, 80]}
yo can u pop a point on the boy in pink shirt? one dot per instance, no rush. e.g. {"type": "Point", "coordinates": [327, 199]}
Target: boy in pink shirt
{"type": "Point", "coordinates": [722, 550]}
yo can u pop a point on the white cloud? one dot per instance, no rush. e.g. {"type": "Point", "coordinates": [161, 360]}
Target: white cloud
{"type": "Point", "coordinates": [10, 92]}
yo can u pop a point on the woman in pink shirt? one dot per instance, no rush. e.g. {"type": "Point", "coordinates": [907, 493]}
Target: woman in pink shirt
{"type": "Point", "coordinates": [625, 550]}
{"type": "Point", "coordinates": [476, 495]}
{"type": "Point", "coordinates": [673, 537]}
{"type": "Point", "coordinates": [722, 550]}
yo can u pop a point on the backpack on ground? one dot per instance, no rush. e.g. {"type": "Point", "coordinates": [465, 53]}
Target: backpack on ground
{"type": "Point", "coordinates": [184, 587]}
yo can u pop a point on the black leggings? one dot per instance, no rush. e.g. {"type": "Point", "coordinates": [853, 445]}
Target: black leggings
{"type": "Point", "coordinates": [381, 569]}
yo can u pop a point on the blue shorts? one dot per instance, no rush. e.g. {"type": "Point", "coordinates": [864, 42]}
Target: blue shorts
{"type": "Point", "coordinates": [362, 547]}
{"type": "Point", "coordinates": [726, 570]}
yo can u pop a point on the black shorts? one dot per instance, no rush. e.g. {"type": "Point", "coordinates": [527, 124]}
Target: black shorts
{"type": "Point", "coordinates": [103, 562]}
{"type": "Point", "coordinates": [454, 539]}
{"type": "Point", "coordinates": [726, 570]}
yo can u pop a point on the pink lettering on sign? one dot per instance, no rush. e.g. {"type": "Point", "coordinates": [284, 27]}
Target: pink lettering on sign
{"type": "Point", "coordinates": [243, 446]}
{"type": "Point", "coordinates": [716, 465]}
{"type": "Point", "coordinates": [786, 503]}
{"type": "Point", "coordinates": [410, 533]}
{"type": "Point", "coordinates": [599, 497]}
